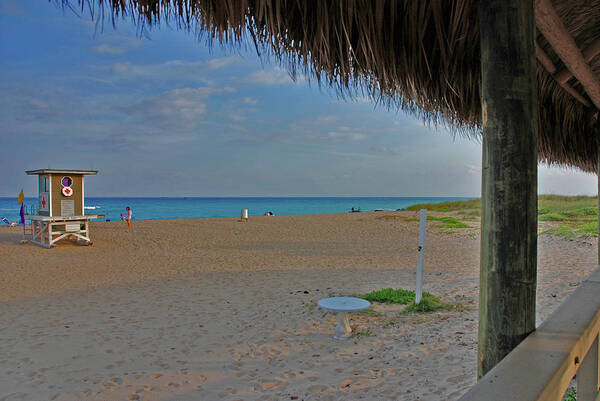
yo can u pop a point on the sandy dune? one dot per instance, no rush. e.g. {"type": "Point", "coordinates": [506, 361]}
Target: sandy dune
{"type": "Point", "coordinates": [216, 309]}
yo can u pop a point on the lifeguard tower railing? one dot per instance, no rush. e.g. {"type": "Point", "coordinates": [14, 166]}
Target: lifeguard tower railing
{"type": "Point", "coordinates": [542, 367]}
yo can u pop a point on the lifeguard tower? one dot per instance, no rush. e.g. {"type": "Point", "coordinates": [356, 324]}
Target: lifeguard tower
{"type": "Point", "coordinates": [60, 212]}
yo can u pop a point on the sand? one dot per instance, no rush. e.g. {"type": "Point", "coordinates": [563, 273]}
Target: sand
{"type": "Point", "coordinates": [217, 309]}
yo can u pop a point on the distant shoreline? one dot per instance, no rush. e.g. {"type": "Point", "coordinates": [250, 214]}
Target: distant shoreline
{"type": "Point", "coordinates": [163, 208]}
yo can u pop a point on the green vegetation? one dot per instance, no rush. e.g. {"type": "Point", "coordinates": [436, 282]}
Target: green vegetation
{"type": "Point", "coordinates": [571, 394]}
{"type": "Point", "coordinates": [574, 230]}
{"type": "Point", "coordinates": [574, 216]}
{"type": "Point", "coordinates": [391, 296]}
{"type": "Point", "coordinates": [429, 302]}
{"type": "Point", "coordinates": [577, 215]}
{"type": "Point", "coordinates": [448, 206]}
{"type": "Point", "coordinates": [550, 217]}
{"type": "Point", "coordinates": [449, 222]}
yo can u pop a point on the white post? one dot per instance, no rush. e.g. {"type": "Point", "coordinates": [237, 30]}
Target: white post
{"type": "Point", "coordinates": [422, 224]}
{"type": "Point", "coordinates": [244, 214]}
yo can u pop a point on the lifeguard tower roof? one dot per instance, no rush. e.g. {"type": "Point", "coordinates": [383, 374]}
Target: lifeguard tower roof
{"type": "Point", "coordinates": [51, 171]}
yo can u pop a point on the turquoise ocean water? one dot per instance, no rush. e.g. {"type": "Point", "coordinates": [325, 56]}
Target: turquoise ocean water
{"type": "Point", "coordinates": [185, 208]}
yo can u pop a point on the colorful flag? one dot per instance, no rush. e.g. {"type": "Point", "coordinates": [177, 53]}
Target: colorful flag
{"type": "Point", "coordinates": [20, 198]}
{"type": "Point", "coordinates": [22, 214]}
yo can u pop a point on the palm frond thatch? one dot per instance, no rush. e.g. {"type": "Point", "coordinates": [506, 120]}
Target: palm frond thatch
{"type": "Point", "coordinates": [421, 56]}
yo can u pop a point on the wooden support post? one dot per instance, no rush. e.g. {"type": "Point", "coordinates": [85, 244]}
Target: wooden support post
{"type": "Point", "coordinates": [509, 178]}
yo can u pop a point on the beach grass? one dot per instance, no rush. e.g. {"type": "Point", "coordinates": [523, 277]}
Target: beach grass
{"type": "Point", "coordinates": [464, 205]}
{"type": "Point", "coordinates": [571, 394]}
{"type": "Point", "coordinates": [572, 216]}
{"type": "Point", "coordinates": [390, 296]}
{"type": "Point", "coordinates": [429, 302]}
{"type": "Point", "coordinates": [448, 222]}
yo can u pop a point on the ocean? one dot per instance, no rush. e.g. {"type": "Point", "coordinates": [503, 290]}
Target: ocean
{"type": "Point", "coordinates": [192, 207]}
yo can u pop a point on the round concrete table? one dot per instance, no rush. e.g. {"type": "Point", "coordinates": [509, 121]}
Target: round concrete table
{"type": "Point", "coordinates": [343, 305]}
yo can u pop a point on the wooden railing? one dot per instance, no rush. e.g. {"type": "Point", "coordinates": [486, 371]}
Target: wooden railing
{"type": "Point", "coordinates": [544, 364]}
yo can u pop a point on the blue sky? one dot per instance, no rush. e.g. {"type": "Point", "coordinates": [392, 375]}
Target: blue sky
{"type": "Point", "coordinates": [166, 115]}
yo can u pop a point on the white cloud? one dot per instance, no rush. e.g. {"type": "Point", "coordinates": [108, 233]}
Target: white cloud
{"type": "Point", "coordinates": [327, 119]}
{"type": "Point", "coordinates": [108, 49]}
{"type": "Point", "coordinates": [38, 104]}
{"type": "Point", "coordinates": [248, 100]}
{"type": "Point", "coordinates": [276, 76]}
{"type": "Point", "coordinates": [172, 70]}
{"type": "Point", "coordinates": [121, 67]}
{"type": "Point", "coordinates": [473, 169]}
{"type": "Point", "coordinates": [178, 108]}
{"type": "Point", "coordinates": [35, 109]}
{"type": "Point", "coordinates": [221, 62]}
{"type": "Point", "coordinates": [566, 181]}
{"type": "Point", "coordinates": [236, 117]}
{"type": "Point", "coordinates": [347, 136]}
{"type": "Point", "coordinates": [115, 43]}
{"type": "Point", "coordinates": [384, 150]}
{"type": "Point", "coordinates": [352, 99]}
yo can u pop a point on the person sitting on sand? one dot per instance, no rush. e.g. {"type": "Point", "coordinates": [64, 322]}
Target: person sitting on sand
{"type": "Point", "coordinates": [127, 217]}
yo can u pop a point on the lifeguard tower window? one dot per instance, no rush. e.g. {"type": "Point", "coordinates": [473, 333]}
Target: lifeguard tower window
{"type": "Point", "coordinates": [44, 187]}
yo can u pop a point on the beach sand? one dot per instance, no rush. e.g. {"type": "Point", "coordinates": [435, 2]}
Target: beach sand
{"type": "Point", "coordinates": [217, 309]}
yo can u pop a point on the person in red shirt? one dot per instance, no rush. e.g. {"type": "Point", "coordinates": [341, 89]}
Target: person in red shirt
{"type": "Point", "coordinates": [128, 216]}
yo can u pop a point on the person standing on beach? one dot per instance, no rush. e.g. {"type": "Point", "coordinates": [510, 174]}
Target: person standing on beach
{"type": "Point", "coordinates": [127, 217]}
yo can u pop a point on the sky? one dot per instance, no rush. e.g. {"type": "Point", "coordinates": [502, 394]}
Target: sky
{"type": "Point", "coordinates": [162, 113]}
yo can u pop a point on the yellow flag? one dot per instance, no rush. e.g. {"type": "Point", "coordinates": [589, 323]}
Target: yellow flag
{"type": "Point", "coordinates": [20, 198]}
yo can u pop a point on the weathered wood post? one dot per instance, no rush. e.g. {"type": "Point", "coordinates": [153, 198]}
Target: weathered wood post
{"type": "Point", "coordinates": [509, 178]}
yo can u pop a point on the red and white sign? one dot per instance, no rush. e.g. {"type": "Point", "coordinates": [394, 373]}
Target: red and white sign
{"type": "Point", "coordinates": [44, 205]}
{"type": "Point", "coordinates": [67, 191]}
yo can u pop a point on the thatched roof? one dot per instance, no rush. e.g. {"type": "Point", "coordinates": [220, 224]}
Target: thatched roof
{"type": "Point", "coordinates": [422, 56]}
